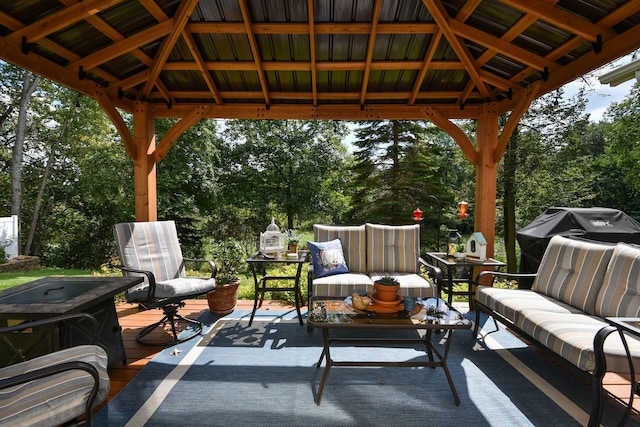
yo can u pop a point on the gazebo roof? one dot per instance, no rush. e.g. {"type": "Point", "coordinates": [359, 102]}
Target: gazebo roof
{"type": "Point", "coordinates": [333, 59]}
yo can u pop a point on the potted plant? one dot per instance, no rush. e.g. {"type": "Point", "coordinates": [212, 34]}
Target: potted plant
{"type": "Point", "coordinates": [461, 251]}
{"type": "Point", "coordinates": [386, 288]}
{"type": "Point", "coordinates": [229, 257]}
{"type": "Point", "coordinates": [293, 239]}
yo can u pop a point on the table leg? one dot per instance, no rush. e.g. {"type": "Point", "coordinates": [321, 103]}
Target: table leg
{"type": "Point", "coordinates": [327, 367]}
{"type": "Point", "coordinates": [297, 293]}
{"type": "Point", "coordinates": [256, 290]}
{"type": "Point", "coordinates": [443, 363]}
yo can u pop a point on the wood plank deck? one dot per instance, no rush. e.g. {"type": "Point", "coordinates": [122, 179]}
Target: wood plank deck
{"type": "Point", "coordinates": [132, 320]}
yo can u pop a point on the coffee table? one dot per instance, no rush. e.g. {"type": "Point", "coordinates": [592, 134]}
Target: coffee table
{"type": "Point", "coordinates": [51, 296]}
{"type": "Point", "coordinates": [331, 314]}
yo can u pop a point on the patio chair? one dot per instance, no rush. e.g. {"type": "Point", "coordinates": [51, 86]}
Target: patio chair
{"type": "Point", "coordinates": [54, 388]}
{"type": "Point", "coordinates": [152, 250]}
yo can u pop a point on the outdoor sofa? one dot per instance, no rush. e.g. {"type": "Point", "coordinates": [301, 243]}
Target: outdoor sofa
{"type": "Point", "coordinates": [578, 284]}
{"type": "Point", "coordinates": [363, 253]}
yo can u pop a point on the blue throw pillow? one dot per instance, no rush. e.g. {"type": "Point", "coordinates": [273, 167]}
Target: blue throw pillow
{"type": "Point", "coordinates": [327, 258]}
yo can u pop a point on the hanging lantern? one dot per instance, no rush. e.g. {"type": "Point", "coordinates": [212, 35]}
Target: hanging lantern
{"type": "Point", "coordinates": [462, 209]}
{"type": "Point", "coordinates": [417, 215]}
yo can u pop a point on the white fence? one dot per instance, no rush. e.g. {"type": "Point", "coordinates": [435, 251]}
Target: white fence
{"type": "Point", "coordinates": [9, 236]}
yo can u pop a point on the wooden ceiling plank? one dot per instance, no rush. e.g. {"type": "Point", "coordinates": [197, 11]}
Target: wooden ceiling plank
{"type": "Point", "coordinates": [254, 50]}
{"type": "Point", "coordinates": [312, 51]}
{"type": "Point", "coordinates": [435, 41]}
{"type": "Point", "coordinates": [442, 19]}
{"type": "Point", "coordinates": [195, 52]}
{"type": "Point", "coordinates": [180, 21]}
{"type": "Point", "coordinates": [125, 46]}
{"type": "Point", "coordinates": [561, 19]}
{"type": "Point", "coordinates": [375, 15]}
{"type": "Point", "coordinates": [65, 17]}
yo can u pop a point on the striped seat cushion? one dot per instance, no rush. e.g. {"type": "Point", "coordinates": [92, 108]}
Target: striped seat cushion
{"type": "Point", "coordinates": [353, 243]}
{"type": "Point", "coordinates": [411, 284]}
{"type": "Point", "coordinates": [620, 292]}
{"type": "Point", "coordinates": [55, 399]}
{"type": "Point", "coordinates": [571, 335]}
{"type": "Point", "coordinates": [572, 271]}
{"type": "Point", "coordinates": [393, 248]}
{"type": "Point", "coordinates": [341, 284]}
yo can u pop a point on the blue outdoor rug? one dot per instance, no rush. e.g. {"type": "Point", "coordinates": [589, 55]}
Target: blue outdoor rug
{"type": "Point", "coordinates": [265, 375]}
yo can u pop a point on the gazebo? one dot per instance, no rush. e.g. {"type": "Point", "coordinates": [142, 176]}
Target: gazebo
{"type": "Point", "coordinates": [436, 60]}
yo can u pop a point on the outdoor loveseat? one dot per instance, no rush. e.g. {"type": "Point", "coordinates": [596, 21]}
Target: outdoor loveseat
{"type": "Point", "coordinates": [349, 258]}
{"type": "Point", "coordinates": [578, 284]}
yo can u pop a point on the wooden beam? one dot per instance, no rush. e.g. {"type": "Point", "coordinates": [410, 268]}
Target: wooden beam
{"type": "Point", "coordinates": [442, 19]}
{"type": "Point", "coordinates": [180, 20]}
{"type": "Point", "coordinates": [320, 28]}
{"type": "Point", "coordinates": [375, 16]}
{"type": "Point", "coordinates": [177, 130]}
{"type": "Point", "coordinates": [246, 17]}
{"type": "Point", "coordinates": [65, 17]}
{"type": "Point", "coordinates": [461, 138]}
{"type": "Point", "coordinates": [312, 52]}
{"type": "Point", "coordinates": [123, 130]}
{"type": "Point", "coordinates": [426, 64]}
{"type": "Point", "coordinates": [195, 52]}
{"type": "Point", "coordinates": [524, 101]}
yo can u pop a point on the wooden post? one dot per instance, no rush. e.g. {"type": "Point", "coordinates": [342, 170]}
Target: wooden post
{"type": "Point", "coordinates": [144, 136]}
{"type": "Point", "coordinates": [487, 175]}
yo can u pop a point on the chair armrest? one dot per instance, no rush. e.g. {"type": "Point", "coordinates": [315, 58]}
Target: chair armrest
{"type": "Point", "coordinates": [434, 272]}
{"type": "Point", "coordinates": [151, 279]}
{"type": "Point", "coordinates": [512, 276]}
{"type": "Point", "coordinates": [54, 319]}
{"type": "Point", "coordinates": [214, 268]}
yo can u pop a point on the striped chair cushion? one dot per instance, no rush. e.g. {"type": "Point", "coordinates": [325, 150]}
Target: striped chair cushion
{"type": "Point", "coordinates": [393, 248]}
{"type": "Point", "coordinates": [56, 399]}
{"type": "Point", "coordinates": [572, 271]}
{"type": "Point", "coordinates": [151, 246]}
{"type": "Point", "coordinates": [620, 292]}
{"type": "Point", "coordinates": [353, 244]}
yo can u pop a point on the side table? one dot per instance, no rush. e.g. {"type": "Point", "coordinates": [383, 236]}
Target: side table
{"type": "Point", "coordinates": [451, 266]}
{"type": "Point", "coordinates": [259, 264]}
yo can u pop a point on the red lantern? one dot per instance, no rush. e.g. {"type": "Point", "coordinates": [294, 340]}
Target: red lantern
{"type": "Point", "coordinates": [462, 209]}
{"type": "Point", "coordinates": [417, 215]}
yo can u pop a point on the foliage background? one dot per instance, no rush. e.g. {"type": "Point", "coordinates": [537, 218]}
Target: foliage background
{"type": "Point", "coordinates": [225, 180]}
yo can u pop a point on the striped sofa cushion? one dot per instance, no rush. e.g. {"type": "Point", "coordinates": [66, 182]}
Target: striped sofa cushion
{"type": "Point", "coordinates": [341, 284]}
{"type": "Point", "coordinates": [353, 243]}
{"type": "Point", "coordinates": [572, 271]}
{"type": "Point", "coordinates": [620, 292]}
{"type": "Point", "coordinates": [55, 399]}
{"type": "Point", "coordinates": [393, 248]}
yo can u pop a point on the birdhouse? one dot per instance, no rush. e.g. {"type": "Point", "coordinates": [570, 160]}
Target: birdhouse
{"type": "Point", "coordinates": [477, 247]}
{"type": "Point", "coordinates": [272, 240]}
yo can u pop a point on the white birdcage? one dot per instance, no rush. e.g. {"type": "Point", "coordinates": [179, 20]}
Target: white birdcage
{"type": "Point", "coordinates": [272, 240]}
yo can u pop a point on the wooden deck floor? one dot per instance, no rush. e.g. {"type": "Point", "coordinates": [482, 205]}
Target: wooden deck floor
{"type": "Point", "coordinates": [132, 320]}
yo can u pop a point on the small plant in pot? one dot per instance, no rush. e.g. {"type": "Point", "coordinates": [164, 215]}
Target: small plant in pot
{"type": "Point", "coordinates": [229, 257]}
{"type": "Point", "coordinates": [461, 251]}
{"type": "Point", "coordinates": [293, 240]}
{"type": "Point", "coordinates": [387, 288]}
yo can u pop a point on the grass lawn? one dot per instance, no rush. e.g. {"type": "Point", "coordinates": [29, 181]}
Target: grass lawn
{"type": "Point", "coordinates": [8, 280]}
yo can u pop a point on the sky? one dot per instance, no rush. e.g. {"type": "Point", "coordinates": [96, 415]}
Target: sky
{"type": "Point", "coordinates": [601, 96]}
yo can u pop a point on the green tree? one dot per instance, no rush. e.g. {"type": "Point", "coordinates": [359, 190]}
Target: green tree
{"type": "Point", "coordinates": [292, 168]}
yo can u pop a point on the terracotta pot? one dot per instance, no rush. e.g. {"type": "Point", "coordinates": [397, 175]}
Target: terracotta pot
{"type": "Point", "coordinates": [386, 292]}
{"type": "Point", "coordinates": [223, 300]}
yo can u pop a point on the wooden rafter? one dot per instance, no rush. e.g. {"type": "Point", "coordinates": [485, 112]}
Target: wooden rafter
{"type": "Point", "coordinates": [312, 52]}
{"type": "Point", "coordinates": [193, 48]}
{"type": "Point", "coordinates": [255, 51]}
{"type": "Point", "coordinates": [375, 15]}
{"type": "Point", "coordinates": [426, 65]}
{"type": "Point", "coordinates": [443, 21]}
{"type": "Point", "coordinates": [180, 21]}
